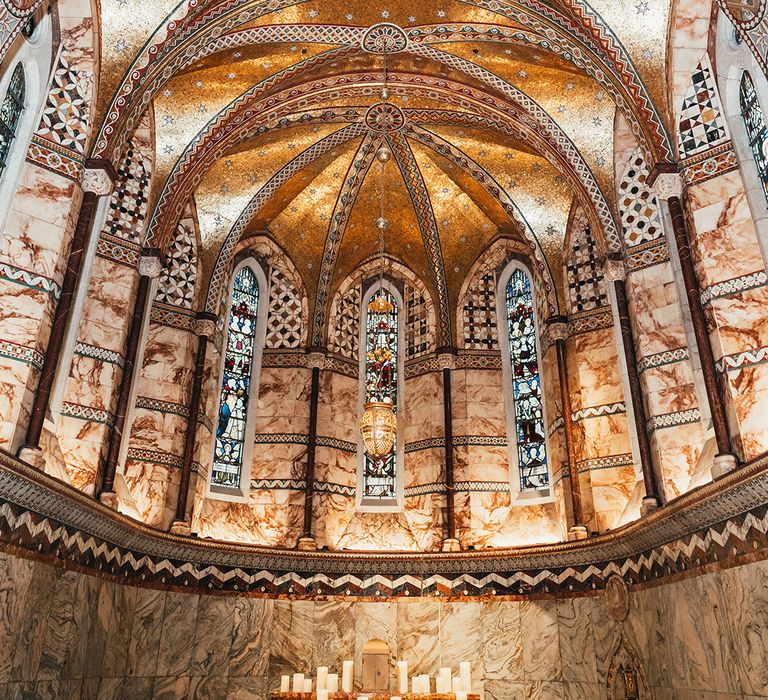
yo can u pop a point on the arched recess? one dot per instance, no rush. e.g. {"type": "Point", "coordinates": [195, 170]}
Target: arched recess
{"type": "Point", "coordinates": [32, 55]}
{"type": "Point", "coordinates": [732, 60]}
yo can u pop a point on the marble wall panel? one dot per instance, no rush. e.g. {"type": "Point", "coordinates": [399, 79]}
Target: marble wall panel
{"type": "Point", "coordinates": [338, 413]}
{"type": "Point", "coordinates": [284, 394]}
{"type": "Point", "coordinates": [693, 638]}
{"type": "Point", "coordinates": [424, 412]}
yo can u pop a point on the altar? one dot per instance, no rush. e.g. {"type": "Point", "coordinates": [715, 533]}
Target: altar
{"type": "Point", "coordinates": [371, 696]}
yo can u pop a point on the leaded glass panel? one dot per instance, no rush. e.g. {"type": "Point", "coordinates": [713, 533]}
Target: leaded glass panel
{"type": "Point", "coordinates": [381, 384]}
{"type": "Point", "coordinates": [756, 128]}
{"type": "Point", "coordinates": [526, 383]}
{"type": "Point", "coordinates": [236, 383]}
{"type": "Point", "coordinates": [10, 112]}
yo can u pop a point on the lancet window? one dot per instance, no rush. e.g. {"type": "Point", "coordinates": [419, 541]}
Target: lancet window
{"type": "Point", "coordinates": [382, 383]}
{"type": "Point", "coordinates": [757, 131]}
{"type": "Point", "coordinates": [10, 113]}
{"type": "Point", "coordinates": [524, 371]}
{"type": "Point", "coordinates": [236, 386]}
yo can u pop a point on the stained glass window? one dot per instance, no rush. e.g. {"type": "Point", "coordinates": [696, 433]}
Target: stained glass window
{"type": "Point", "coordinates": [756, 128]}
{"type": "Point", "coordinates": [526, 383]}
{"type": "Point", "coordinates": [236, 384]}
{"type": "Point", "coordinates": [10, 112]}
{"type": "Point", "coordinates": [381, 384]}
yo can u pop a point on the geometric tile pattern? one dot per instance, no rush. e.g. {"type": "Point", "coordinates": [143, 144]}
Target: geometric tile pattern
{"type": "Point", "coordinates": [11, 273]}
{"type": "Point", "coordinates": [284, 319]}
{"type": "Point", "coordinates": [608, 462]}
{"type": "Point", "coordinates": [346, 324]}
{"type": "Point", "coordinates": [718, 524]}
{"type": "Point", "coordinates": [638, 205]}
{"type": "Point", "coordinates": [740, 360]}
{"type": "Point", "coordinates": [609, 409]}
{"type": "Point", "coordinates": [589, 321]}
{"type": "Point", "coordinates": [586, 286]}
{"type": "Point", "coordinates": [670, 420]}
{"type": "Point", "coordinates": [66, 114]}
{"type": "Point", "coordinates": [21, 353]}
{"type": "Point", "coordinates": [176, 286]}
{"type": "Point", "coordinates": [709, 164]}
{"type": "Point", "coordinates": [87, 413]}
{"type": "Point", "coordinates": [96, 353]}
{"type": "Point", "coordinates": [730, 287]}
{"type": "Point", "coordinates": [128, 203]}
{"type": "Point", "coordinates": [701, 121]}
{"type": "Point", "coordinates": [660, 359]}
{"type": "Point", "coordinates": [416, 325]}
{"type": "Point", "coordinates": [646, 255]}
{"type": "Point", "coordinates": [479, 317]}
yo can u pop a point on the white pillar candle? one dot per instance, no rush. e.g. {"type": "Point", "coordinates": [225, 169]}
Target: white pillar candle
{"type": "Point", "coordinates": [322, 677]}
{"type": "Point", "coordinates": [322, 694]}
{"type": "Point", "coordinates": [346, 676]}
{"type": "Point", "coordinates": [402, 676]}
{"type": "Point", "coordinates": [395, 697]}
{"type": "Point", "coordinates": [362, 697]}
{"type": "Point", "coordinates": [461, 695]}
{"type": "Point", "coordinates": [456, 684]}
{"type": "Point", "coordinates": [332, 684]}
{"type": "Point", "coordinates": [307, 685]}
{"type": "Point", "coordinates": [285, 684]}
{"type": "Point", "coordinates": [298, 683]}
{"type": "Point", "coordinates": [465, 674]}
{"type": "Point", "coordinates": [425, 684]}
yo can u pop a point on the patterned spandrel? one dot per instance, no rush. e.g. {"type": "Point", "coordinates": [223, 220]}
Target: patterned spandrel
{"type": "Point", "coordinates": [381, 384]}
{"type": "Point", "coordinates": [757, 131]}
{"type": "Point", "coordinates": [10, 112]}
{"type": "Point", "coordinates": [236, 384]}
{"type": "Point", "coordinates": [526, 380]}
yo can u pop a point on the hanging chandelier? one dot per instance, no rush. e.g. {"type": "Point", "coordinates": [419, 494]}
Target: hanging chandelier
{"type": "Point", "coordinates": [378, 424]}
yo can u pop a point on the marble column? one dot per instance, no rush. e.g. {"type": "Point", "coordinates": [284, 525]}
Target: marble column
{"type": "Point", "coordinates": [615, 273]}
{"type": "Point", "coordinates": [307, 539]}
{"type": "Point", "coordinates": [150, 266]}
{"type": "Point", "coordinates": [451, 543]}
{"type": "Point", "coordinates": [559, 332]}
{"type": "Point", "coordinates": [205, 328]}
{"type": "Point", "coordinates": [98, 180]}
{"type": "Point", "coordinates": [669, 187]}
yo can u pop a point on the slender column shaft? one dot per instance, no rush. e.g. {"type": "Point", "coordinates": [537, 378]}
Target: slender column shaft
{"type": "Point", "coordinates": [309, 477]}
{"type": "Point", "coordinates": [650, 478]}
{"type": "Point", "coordinates": [565, 397]}
{"type": "Point", "coordinates": [450, 515]}
{"type": "Point", "coordinates": [61, 319]}
{"type": "Point", "coordinates": [706, 356]}
{"type": "Point", "coordinates": [126, 383]}
{"type": "Point", "coordinates": [191, 432]}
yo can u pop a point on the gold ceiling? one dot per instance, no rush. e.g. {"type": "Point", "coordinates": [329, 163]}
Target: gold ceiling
{"type": "Point", "coordinates": [504, 121]}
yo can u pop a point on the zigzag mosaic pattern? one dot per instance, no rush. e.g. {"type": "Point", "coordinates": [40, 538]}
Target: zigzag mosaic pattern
{"type": "Point", "coordinates": [718, 524]}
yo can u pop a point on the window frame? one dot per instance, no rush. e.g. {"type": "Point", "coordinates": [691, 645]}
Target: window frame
{"type": "Point", "coordinates": [519, 496]}
{"type": "Point", "coordinates": [241, 494]}
{"type": "Point", "coordinates": [396, 505]}
{"type": "Point", "coordinates": [745, 74]}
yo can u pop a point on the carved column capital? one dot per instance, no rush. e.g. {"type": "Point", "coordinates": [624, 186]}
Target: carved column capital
{"type": "Point", "coordinates": [205, 325]}
{"type": "Point", "coordinates": [316, 360]}
{"type": "Point", "coordinates": [98, 177]}
{"type": "Point", "coordinates": [558, 330]}
{"type": "Point", "coordinates": [668, 185]}
{"type": "Point", "coordinates": [446, 360]}
{"type": "Point", "coordinates": [150, 265]}
{"type": "Point", "coordinates": [614, 270]}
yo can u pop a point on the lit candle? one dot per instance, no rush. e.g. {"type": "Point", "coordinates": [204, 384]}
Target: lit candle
{"type": "Point", "coordinates": [415, 684]}
{"type": "Point", "coordinates": [425, 684]}
{"type": "Point", "coordinates": [466, 676]}
{"type": "Point", "coordinates": [333, 683]}
{"type": "Point", "coordinates": [322, 694]}
{"type": "Point", "coordinates": [402, 676]}
{"type": "Point", "coordinates": [395, 697]}
{"type": "Point", "coordinates": [307, 685]}
{"type": "Point", "coordinates": [285, 684]}
{"type": "Point", "coordinates": [346, 676]}
{"type": "Point", "coordinates": [456, 684]}
{"type": "Point", "coordinates": [362, 697]}
{"type": "Point", "coordinates": [322, 677]}
{"type": "Point", "coordinates": [461, 695]}
{"type": "Point", "coordinates": [298, 682]}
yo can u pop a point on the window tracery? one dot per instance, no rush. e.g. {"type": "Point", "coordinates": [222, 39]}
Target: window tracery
{"type": "Point", "coordinates": [10, 113]}
{"type": "Point", "coordinates": [757, 132]}
{"type": "Point", "coordinates": [236, 382]}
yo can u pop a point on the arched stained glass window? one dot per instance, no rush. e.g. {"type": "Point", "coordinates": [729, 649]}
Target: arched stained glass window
{"type": "Point", "coordinates": [236, 382]}
{"type": "Point", "coordinates": [382, 354]}
{"type": "Point", "coordinates": [526, 382]}
{"type": "Point", "coordinates": [10, 112]}
{"type": "Point", "coordinates": [757, 131]}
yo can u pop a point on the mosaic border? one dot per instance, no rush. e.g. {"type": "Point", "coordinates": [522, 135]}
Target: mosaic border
{"type": "Point", "coordinates": [710, 164]}
{"type": "Point", "coordinates": [596, 320]}
{"type": "Point", "coordinates": [608, 462]}
{"type": "Point", "coordinates": [56, 159]}
{"type": "Point", "coordinates": [20, 353]}
{"type": "Point", "coordinates": [741, 360]}
{"type": "Point", "coordinates": [660, 359]}
{"type": "Point", "coordinates": [671, 420]}
{"type": "Point", "coordinates": [172, 316]}
{"type": "Point", "coordinates": [87, 413]}
{"type": "Point", "coordinates": [32, 280]}
{"type": "Point", "coordinates": [150, 404]}
{"type": "Point", "coordinates": [96, 353]}
{"type": "Point", "coordinates": [136, 454]}
{"type": "Point", "coordinates": [718, 523]}
{"type": "Point", "coordinates": [646, 255]}
{"type": "Point", "coordinates": [608, 409]}
{"type": "Point", "coordinates": [118, 250]}
{"type": "Point", "coordinates": [737, 285]}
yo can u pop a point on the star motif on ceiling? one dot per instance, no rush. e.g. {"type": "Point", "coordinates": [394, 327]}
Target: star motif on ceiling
{"type": "Point", "coordinates": [168, 149]}
{"type": "Point", "coordinates": [167, 92]}
{"type": "Point", "coordinates": [597, 121]}
{"type": "Point", "coordinates": [569, 86]}
{"type": "Point", "coordinates": [561, 109]}
{"type": "Point", "coordinates": [411, 19]}
{"type": "Point", "coordinates": [522, 74]}
{"type": "Point", "coordinates": [647, 53]}
{"type": "Point", "coordinates": [385, 14]}
{"type": "Point", "coordinates": [168, 120]}
{"type": "Point", "coordinates": [198, 83]}
{"type": "Point", "coordinates": [512, 184]}
{"type": "Point", "coordinates": [312, 14]}
{"type": "Point", "coordinates": [441, 13]}
{"type": "Point", "coordinates": [350, 16]}
{"type": "Point", "coordinates": [121, 46]}
{"type": "Point", "coordinates": [642, 8]}
{"type": "Point", "coordinates": [232, 76]}
{"type": "Point", "coordinates": [541, 201]}
{"type": "Point", "coordinates": [202, 108]}
{"type": "Point", "coordinates": [551, 230]}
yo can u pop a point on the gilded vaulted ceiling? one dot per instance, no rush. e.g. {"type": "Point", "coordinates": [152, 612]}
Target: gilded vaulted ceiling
{"type": "Point", "coordinates": [262, 115]}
